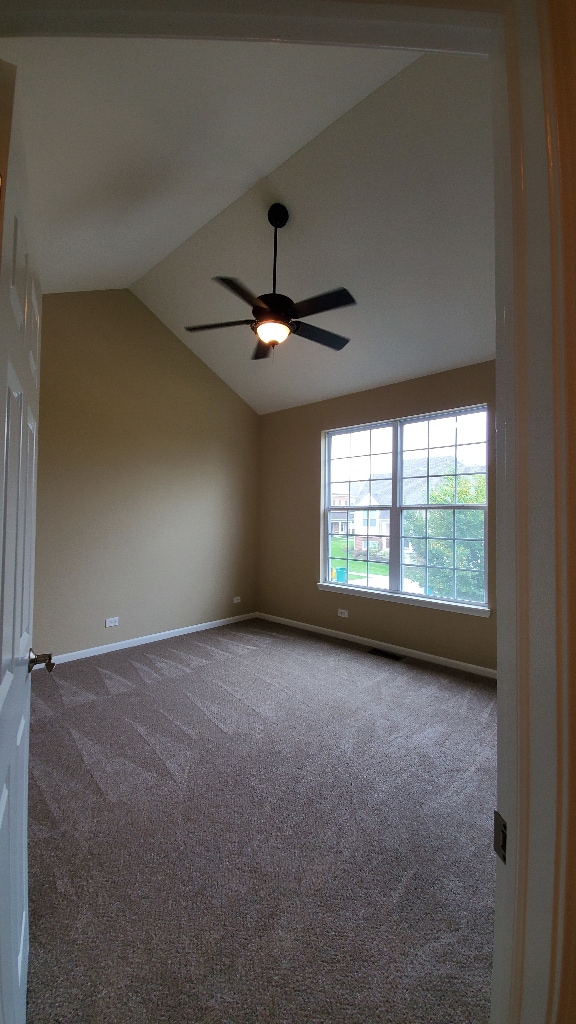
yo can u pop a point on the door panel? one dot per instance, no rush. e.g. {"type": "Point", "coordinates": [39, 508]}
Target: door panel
{"type": "Point", "coordinates": [19, 357]}
{"type": "Point", "coordinates": [11, 517]}
{"type": "Point", "coordinates": [19, 271]}
{"type": "Point", "coordinates": [28, 483]}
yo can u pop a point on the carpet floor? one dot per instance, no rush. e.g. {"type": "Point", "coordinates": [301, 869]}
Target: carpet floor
{"type": "Point", "coordinates": [257, 825]}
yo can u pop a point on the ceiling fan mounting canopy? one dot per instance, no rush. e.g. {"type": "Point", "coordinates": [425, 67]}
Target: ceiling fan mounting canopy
{"type": "Point", "coordinates": [276, 315]}
{"type": "Point", "coordinates": [278, 215]}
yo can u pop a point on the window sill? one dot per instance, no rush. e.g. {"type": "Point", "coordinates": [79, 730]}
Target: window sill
{"type": "Point", "coordinates": [416, 600]}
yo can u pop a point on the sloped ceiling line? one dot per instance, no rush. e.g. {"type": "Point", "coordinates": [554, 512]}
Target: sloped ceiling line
{"type": "Point", "coordinates": [152, 164]}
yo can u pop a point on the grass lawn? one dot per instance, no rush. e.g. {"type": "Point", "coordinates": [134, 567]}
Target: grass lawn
{"type": "Point", "coordinates": [340, 557]}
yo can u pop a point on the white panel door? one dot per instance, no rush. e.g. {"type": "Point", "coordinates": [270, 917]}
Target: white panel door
{"type": "Point", "coordinates": [19, 353]}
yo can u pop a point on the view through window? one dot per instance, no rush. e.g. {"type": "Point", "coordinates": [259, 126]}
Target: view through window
{"type": "Point", "coordinates": [406, 506]}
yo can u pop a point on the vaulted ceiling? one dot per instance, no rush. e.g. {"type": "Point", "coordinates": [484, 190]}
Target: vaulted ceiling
{"type": "Point", "coordinates": [152, 163]}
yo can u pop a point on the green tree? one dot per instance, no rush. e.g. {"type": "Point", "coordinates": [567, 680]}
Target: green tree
{"type": "Point", "coordinates": [446, 544]}
{"type": "Point", "coordinates": [461, 546]}
{"type": "Point", "coordinates": [462, 490]}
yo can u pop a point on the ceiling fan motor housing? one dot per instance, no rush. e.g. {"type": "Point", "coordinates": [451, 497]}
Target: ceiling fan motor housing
{"type": "Point", "coordinates": [281, 308]}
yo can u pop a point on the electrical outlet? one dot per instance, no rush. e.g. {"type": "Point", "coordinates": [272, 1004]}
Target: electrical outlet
{"type": "Point", "coordinates": [343, 613]}
{"type": "Point", "coordinates": [236, 600]}
{"type": "Point", "coordinates": [113, 621]}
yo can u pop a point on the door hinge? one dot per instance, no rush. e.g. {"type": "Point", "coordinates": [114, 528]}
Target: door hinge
{"type": "Point", "coordinates": [500, 836]}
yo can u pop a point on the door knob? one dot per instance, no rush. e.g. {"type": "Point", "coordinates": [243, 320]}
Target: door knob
{"type": "Point", "coordinates": [40, 659]}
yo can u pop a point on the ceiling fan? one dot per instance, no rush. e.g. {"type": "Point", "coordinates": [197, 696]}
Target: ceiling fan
{"type": "Point", "coordinates": [275, 316]}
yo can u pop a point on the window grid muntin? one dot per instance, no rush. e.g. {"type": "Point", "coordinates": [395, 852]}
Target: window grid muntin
{"type": "Point", "coordinates": [396, 508]}
{"type": "Point", "coordinates": [359, 542]}
{"type": "Point", "coordinates": [454, 543]}
{"type": "Point", "coordinates": [433, 472]}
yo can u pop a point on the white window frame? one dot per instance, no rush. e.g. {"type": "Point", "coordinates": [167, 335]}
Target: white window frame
{"type": "Point", "coordinates": [395, 510]}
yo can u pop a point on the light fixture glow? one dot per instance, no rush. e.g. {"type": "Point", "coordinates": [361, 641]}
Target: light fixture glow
{"type": "Point", "coordinates": [272, 331]}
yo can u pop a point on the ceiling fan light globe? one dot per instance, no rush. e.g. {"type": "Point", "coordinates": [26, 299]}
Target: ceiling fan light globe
{"type": "Point", "coordinates": [272, 331]}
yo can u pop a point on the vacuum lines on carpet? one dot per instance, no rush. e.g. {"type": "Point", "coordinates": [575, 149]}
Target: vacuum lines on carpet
{"type": "Point", "coordinates": [256, 825]}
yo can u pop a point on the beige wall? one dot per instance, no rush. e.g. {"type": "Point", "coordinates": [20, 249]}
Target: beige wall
{"type": "Point", "coordinates": [146, 479]}
{"type": "Point", "coordinates": [290, 474]}
{"type": "Point", "coordinates": [162, 495]}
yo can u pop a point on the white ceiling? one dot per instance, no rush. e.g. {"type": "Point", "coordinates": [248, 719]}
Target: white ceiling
{"type": "Point", "coordinates": [152, 164]}
{"type": "Point", "coordinates": [133, 145]}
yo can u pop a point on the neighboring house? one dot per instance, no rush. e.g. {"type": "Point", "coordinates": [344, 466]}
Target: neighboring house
{"type": "Point", "coordinates": [371, 527]}
{"type": "Point", "coordinates": [361, 523]}
{"type": "Point", "coordinates": [339, 520]}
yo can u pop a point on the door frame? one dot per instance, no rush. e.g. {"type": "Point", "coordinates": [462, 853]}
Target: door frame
{"type": "Point", "coordinates": [536, 734]}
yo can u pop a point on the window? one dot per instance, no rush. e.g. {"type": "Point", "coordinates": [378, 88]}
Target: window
{"type": "Point", "coordinates": [406, 507]}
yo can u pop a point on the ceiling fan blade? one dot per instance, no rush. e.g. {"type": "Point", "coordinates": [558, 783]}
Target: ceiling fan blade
{"type": "Point", "coordinates": [239, 289]}
{"type": "Point", "coordinates": [214, 327]}
{"type": "Point", "coordinates": [262, 350]}
{"type": "Point", "coordinates": [313, 333]}
{"type": "Point", "coordinates": [322, 303]}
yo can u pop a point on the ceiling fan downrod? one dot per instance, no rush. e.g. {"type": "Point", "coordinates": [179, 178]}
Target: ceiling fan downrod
{"type": "Point", "coordinates": [277, 217]}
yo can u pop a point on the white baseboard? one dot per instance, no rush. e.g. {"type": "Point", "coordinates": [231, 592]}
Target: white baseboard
{"type": "Point", "coordinates": [404, 652]}
{"type": "Point", "coordinates": [60, 659]}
